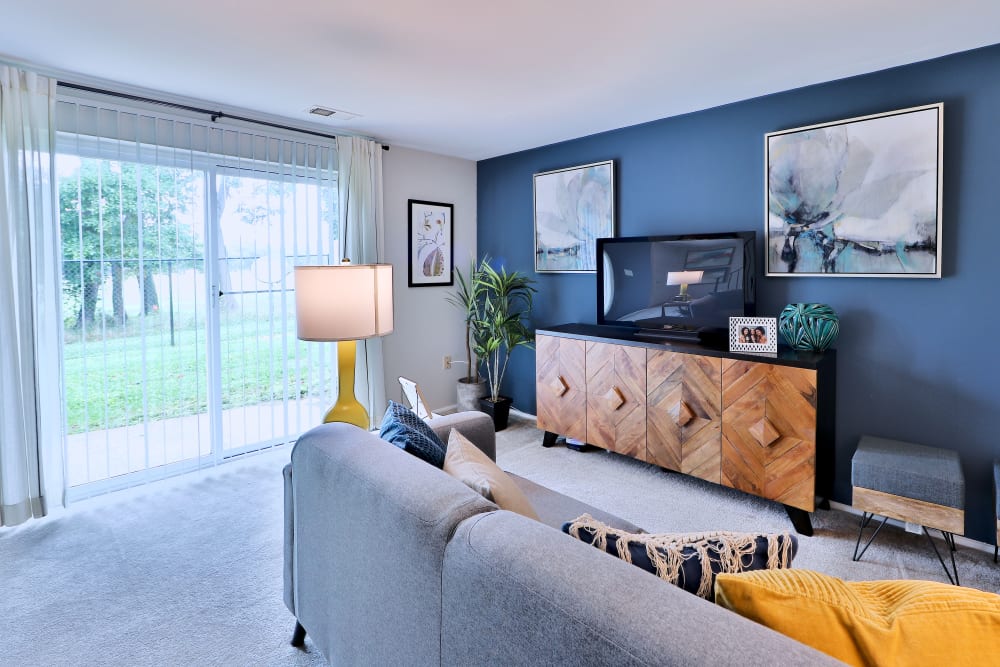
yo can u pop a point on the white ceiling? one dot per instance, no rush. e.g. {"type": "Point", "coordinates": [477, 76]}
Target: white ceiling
{"type": "Point", "coordinates": [475, 79]}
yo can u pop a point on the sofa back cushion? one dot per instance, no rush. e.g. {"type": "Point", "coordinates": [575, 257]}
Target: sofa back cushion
{"type": "Point", "coordinates": [518, 591]}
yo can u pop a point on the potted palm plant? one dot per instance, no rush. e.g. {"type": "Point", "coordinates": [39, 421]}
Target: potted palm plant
{"type": "Point", "coordinates": [472, 387]}
{"type": "Point", "coordinates": [499, 324]}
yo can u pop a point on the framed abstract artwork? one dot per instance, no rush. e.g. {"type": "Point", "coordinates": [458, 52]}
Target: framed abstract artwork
{"type": "Point", "coordinates": [857, 197]}
{"type": "Point", "coordinates": [431, 238]}
{"type": "Point", "coordinates": [573, 208]}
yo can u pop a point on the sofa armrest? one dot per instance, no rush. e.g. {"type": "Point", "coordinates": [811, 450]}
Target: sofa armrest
{"type": "Point", "coordinates": [476, 426]}
{"type": "Point", "coordinates": [369, 526]}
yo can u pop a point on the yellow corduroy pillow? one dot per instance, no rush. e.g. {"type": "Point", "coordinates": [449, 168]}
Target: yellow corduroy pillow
{"type": "Point", "coordinates": [870, 622]}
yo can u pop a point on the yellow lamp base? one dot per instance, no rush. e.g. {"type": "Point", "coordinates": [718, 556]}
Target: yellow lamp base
{"type": "Point", "coordinates": [347, 408]}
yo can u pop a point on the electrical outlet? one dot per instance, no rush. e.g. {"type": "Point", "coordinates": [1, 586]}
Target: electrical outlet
{"type": "Point", "coordinates": [913, 528]}
{"type": "Point", "coordinates": [447, 362]}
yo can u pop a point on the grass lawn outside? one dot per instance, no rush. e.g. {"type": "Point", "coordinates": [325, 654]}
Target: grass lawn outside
{"type": "Point", "coordinates": [112, 382]}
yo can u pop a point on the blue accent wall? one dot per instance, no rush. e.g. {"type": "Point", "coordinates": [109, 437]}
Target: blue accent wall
{"type": "Point", "coordinates": [918, 359]}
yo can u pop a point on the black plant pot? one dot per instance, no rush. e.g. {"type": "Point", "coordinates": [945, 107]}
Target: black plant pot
{"type": "Point", "coordinates": [500, 411]}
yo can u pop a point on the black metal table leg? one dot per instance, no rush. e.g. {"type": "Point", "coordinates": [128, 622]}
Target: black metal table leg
{"type": "Point", "coordinates": [549, 439]}
{"type": "Point", "coordinates": [866, 518]}
{"type": "Point", "coordinates": [947, 540]}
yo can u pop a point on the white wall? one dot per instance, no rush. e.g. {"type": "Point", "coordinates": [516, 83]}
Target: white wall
{"type": "Point", "coordinates": [426, 327]}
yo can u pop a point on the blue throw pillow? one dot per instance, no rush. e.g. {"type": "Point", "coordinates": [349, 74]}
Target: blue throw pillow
{"type": "Point", "coordinates": [689, 560]}
{"type": "Point", "coordinates": [406, 430]}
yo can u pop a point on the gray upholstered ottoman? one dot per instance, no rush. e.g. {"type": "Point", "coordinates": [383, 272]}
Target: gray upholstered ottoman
{"type": "Point", "coordinates": [912, 483]}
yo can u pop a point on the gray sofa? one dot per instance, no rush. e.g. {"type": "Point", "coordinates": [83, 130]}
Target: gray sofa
{"type": "Point", "coordinates": [391, 561]}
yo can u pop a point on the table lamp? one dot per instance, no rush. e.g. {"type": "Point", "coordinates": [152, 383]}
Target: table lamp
{"type": "Point", "coordinates": [684, 278]}
{"type": "Point", "coordinates": [344, 303]}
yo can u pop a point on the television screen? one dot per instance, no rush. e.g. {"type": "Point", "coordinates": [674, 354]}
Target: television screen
{"type": "Point", "coordinates": [692, 283]}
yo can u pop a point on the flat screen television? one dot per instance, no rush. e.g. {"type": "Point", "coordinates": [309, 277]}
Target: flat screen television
{"type": "Point", "coordinates": [676, 286]}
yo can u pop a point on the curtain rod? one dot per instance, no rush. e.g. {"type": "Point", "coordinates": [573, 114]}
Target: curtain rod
{"type": "Point", "coordinates": [214, 115]}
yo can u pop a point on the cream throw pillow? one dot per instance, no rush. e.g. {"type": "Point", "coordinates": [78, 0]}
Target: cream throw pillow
{"type": "Point", "coordinates": [467, 463]}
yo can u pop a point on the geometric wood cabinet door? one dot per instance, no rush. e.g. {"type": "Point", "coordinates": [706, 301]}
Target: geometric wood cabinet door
{"type": "Point", "coordinates": [769, 431]}
{"type": "Point", "coordinates": [684, 413]}
{"type": "Point", "coordinates": [560, 386]}
{"type": "Point", "coordinates": [616, 398]}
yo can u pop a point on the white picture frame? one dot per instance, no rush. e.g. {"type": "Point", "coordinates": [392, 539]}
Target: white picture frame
{"type": "Point", "coordinates": [744, 331]}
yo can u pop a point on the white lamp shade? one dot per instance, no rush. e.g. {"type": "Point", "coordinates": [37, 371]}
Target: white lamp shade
{"type": "Point", "coordinates": [684, 277]}
{"type": "Point", "coordinates": [345, 302]}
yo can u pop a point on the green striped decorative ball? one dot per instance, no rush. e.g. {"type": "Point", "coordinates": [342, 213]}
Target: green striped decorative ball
{"type": "Point", "coordinates": [809, 326]}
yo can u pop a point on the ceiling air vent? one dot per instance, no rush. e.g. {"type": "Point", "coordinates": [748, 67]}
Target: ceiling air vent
{"type": "Point", "coordinates": [335, 114]}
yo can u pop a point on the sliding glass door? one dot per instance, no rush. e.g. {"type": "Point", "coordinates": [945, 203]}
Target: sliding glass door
{"type": "Point", "coordinates": [134, 314]}
{"type": "Point", "coordinates": [271, 383]}
{"type": "Point", "coordinates": [179, 325]}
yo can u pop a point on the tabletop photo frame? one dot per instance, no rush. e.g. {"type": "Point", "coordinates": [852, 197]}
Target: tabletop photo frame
{"type": "Point", "coordinates": [753, 334]}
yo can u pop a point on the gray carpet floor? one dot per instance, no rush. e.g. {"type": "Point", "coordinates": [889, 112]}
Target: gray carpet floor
{"type": "Point", "coordinates": [188, 571]}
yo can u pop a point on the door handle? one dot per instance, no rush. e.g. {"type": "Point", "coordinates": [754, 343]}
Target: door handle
{"type": "Point", "coordinates": [684, 414]}
{"type": "Point", "coordinates": [765, 432]}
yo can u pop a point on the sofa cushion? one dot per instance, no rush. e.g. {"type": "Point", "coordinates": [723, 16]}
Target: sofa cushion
{"type": "Point", "coordinates": [476, 470]}
{"type": "Point", "coordinates": [403, 428]}
{"type": "Point", "coordinates": [688, 560]}
{"type": "Point", "coordinates": [870, 622]}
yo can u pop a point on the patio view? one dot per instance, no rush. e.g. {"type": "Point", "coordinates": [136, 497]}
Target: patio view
{"type": "Point", "coordinates": [179, 320]}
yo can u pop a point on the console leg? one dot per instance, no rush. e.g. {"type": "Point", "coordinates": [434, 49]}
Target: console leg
{"type": "Point", "coordinates": [549, 439]}
{"type": "Point", "coordinates": [823, 504]}
{"type": "Point", "coordinates": [299, 636]}
{"type": "Point", "coordinates": [800, 519]}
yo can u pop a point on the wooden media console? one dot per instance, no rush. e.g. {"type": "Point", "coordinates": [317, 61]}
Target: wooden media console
{"type": "Point", "coordinates": [759, 424]}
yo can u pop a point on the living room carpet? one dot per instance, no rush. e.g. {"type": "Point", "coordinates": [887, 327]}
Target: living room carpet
{"type": "Point", "coordinates": [188, 571]}
{"type": "Point", "coordinates": [663, 501]}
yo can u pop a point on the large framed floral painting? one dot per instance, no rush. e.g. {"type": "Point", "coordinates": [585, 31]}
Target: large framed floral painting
{"type": "Point", "coordinates": [573, 208]}
{"type": "Point", "coordinates": [856, 197]}
{"type": "Point", "coordinates": [432, 234]}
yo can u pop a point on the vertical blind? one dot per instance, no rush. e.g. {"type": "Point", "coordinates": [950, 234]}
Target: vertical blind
{"type": "Point", "coordinates": [178, 242]}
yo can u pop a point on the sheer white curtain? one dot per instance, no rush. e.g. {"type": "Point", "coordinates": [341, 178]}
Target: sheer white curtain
{"type": "Point", "coordinates": [359, 177]}
{"type": "Point", "coordinates": [31, 457]}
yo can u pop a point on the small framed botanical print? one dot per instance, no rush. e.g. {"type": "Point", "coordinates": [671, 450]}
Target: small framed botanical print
{"type": "Point", "coordinates": [431, 238]}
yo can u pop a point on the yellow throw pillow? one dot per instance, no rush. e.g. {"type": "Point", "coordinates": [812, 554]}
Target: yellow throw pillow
{"type": "Point", "coordinates": [870, 622]}
{"type": "Point", "coordinates": [468, 463]}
